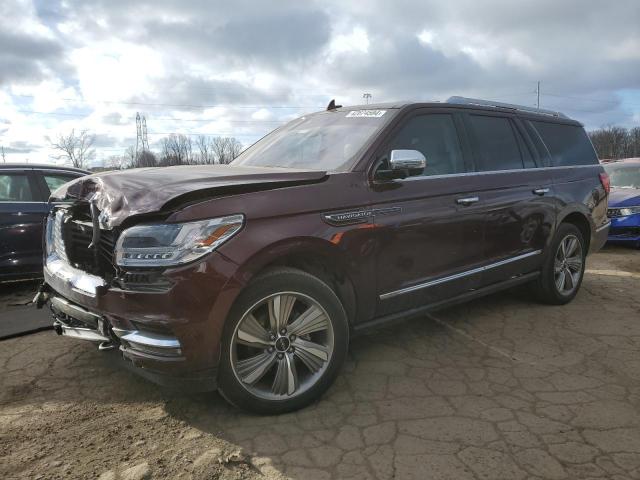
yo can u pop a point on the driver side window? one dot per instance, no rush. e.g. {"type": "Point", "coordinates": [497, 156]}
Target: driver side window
{"type": "Point", "coordinates": [436, 137]}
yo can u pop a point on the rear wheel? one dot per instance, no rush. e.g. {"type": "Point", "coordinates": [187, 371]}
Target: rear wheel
{"type": "Point", "coordinates": [563, 270]}
{"type": "Point", "coordinates": [284, 343]}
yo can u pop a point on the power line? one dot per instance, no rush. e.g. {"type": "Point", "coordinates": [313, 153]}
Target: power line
{"type": "Point", "coordinates": [180, 105]}
{"type": "Point", "coordinates": [82, 115]}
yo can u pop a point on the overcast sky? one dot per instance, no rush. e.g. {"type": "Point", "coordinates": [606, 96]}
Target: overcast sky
{"type": "Point", "coordinates": [242, 68]}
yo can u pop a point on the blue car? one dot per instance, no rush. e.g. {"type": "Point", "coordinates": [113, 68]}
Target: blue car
{"type": "Point", "coordinates": [624, 202]}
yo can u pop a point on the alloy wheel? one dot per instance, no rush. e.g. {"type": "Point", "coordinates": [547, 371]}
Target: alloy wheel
{"type": "Point", "coordinates": [567, 265]}
{"type": "Point", "coordinates": [282, 346]}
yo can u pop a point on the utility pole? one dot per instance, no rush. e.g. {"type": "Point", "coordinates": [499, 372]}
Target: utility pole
{"type": "Point", "coordinates": [4, 159]}
{"type": "Point", "coordinates": [538, 95]}
{"type": "Point", "coordinates": [367, 97]}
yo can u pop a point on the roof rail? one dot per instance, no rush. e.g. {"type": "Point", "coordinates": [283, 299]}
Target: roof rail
{"type": "Point", "coordinates": [510, 106]}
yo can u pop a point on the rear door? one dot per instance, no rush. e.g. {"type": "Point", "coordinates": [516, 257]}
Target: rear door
{"type": "Point", "coordinates": [22, 211]}
{"type": "Point", "coordinates": [428, 244]}
{"type": "Point", "coordinates": [515, 194]}
{"type": "Point", "coordinates": [575, 172]}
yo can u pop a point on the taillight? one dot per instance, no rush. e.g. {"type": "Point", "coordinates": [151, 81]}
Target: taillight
{"type": "Point", "coordinates": [605, 181]}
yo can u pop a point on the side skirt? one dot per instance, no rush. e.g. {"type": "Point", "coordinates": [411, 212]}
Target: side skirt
{"type": "Point", "coordinates": [465, 297]}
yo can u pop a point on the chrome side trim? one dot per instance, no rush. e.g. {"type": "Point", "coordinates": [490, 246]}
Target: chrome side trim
{"type": "Point", "coordinates": [606, 225]}
{"type": "Point", "coordinates": [492, 172]}
{"type": "Point", "coordinates": [151, 340]}
{"type": "Point", "coordinates": [456, 276]}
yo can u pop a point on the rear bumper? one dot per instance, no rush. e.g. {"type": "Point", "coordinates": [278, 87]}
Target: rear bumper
{"type": "Point", "coordinates": [599, 237]}
{"type": "Point", "coordinates": [170, 336]}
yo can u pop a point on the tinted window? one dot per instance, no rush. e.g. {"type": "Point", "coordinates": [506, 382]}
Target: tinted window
{"type": "Point", "coordinates": [527, 158]}
{"type": "Point", "coordinates": [56, 180]}
{"type": "Point", "coordinates": [496, 143]}
{"type": "Point", "coordinates": [14, 187]}
{"type": "Point", "coordinates": [436, 137]}
{"type": "Point", "coordinates": [567, 144]}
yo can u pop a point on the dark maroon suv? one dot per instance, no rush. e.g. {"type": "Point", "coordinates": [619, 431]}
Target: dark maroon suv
{"type": "Point", "coordinates": [252, 277]}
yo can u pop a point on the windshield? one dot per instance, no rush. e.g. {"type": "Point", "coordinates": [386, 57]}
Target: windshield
{"type": "Point", "coordinates": [624, 176]}
{"type": "Point", "coordinates": [322, 141]}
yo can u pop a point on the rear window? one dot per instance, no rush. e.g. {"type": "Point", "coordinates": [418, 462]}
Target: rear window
{"type": "Point", "coordinates": [567, 144]}
{"type": "Point", "coordinates": [496, 143]}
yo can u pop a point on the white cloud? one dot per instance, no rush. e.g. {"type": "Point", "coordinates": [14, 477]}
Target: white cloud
{"type": "Point", "coordinates": [115, 70]}
{"type": "Point", "coordinates": [262, 63]}
{"type": "Point", "coordinates": [355, 41]}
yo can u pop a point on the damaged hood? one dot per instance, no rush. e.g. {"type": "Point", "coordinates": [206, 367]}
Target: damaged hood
{"type": "Point", "coordinates": [124, 193]}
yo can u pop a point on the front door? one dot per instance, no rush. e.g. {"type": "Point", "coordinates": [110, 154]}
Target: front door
{"type": "Point", "coordinates": [428, 241]}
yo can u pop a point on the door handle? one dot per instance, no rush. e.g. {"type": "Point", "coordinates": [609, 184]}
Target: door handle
{"type": "Point", "coordinates": [541, 191]}
{"type": "Point", "coordinates": [466, 201]}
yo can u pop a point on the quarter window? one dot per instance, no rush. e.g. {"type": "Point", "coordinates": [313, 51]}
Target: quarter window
{"type": "Point", "coordinates": [436, 137]}
{"type": "Point", "coordinates": [567, 144]}
{"type": "Point", "coordinates": [497, 147]}
{"type": "Point", "coordinates": [15, 187]}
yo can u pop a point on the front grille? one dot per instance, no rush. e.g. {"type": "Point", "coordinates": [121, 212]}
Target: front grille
{"type": "Point", "coordinates": [72, 235]}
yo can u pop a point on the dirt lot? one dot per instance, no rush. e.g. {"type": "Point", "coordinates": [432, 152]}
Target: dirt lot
{"type": "Point", "coordinates": [499, 388]}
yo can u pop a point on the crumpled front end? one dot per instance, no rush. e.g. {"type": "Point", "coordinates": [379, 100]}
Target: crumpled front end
{"type": "Point", "coordinates": [164, 321]}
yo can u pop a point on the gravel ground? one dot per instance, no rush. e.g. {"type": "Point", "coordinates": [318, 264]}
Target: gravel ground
{"type": "Point", "coordinates": [499, 388]}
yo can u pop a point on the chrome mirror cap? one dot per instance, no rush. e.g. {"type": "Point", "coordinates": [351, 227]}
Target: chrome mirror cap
{"type": "Point", "coordinates": [407, 160]}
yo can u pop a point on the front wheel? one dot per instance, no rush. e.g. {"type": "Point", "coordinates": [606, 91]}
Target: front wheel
{"type": "Point", "coordinates": [284, 343]}
{"type": "Point", "coordinates": [563, 270]}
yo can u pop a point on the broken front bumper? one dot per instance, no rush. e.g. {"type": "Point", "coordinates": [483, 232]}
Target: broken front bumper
{"type": "Point", "coordinates": [74, 321]}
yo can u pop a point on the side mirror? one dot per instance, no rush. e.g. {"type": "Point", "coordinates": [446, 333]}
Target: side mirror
{"type": "Point", "coordinates": [403, 164]}
{"type": "Point", "coordinates": [407, 160]}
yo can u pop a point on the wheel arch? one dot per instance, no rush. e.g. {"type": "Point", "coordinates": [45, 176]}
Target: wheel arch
{"type": "Point", "coordinates": [315, 256]}
{"type": "Point", "coordinates": [581, 221]}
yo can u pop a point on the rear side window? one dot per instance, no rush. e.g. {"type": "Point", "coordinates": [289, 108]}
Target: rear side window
{"type": "Point", "coordinates": [56, 180]}
{"type": "Point", "coordinates": [496, 143]}
{"type": "Point", "coordinates": [567, 144]}
{"type": "Point", "coordinates": [434, 135]}
{"type": "Point", "coordinates": [15, 187]}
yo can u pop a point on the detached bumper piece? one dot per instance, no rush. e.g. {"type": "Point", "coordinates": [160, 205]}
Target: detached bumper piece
{"type": "Point", "coordinates": [150, 345]}
{"type": "Point", "coordinates": [71, 320]}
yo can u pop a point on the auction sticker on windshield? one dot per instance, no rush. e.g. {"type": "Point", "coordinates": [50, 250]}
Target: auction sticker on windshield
{"type": "Point", "coordinates": [366, 113]}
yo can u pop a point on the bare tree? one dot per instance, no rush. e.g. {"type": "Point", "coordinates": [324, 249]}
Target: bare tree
{"type": "Point", "coordinates": [130, 157]}
{"type": "Point", "coordinates": [176, 150]}
{"type": "Point", "coordinates": [206, 155]}
{"type": "Point", "coordinates": [115, 162]}
{"type": "Point", "coordinates": [235, 149]}
{"type": "Point", "coordinates": [616, 142]}
{"type": "Point", "coordinates": [146, 159]}
{"type": "Point", "coordinates": [225, 149]}
{"type": "Point", "coordinates": [76, 149]}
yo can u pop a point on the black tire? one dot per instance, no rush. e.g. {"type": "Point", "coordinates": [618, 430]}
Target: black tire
{"type": "Point", "coordinates": [274, 282]}
{"type": "Point", "coordinates": [545, 286]}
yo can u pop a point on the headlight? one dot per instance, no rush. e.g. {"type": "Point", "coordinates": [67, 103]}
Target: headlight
{"type": "Point", "coordinates": [626, 211]}
{"type": "Point", "coordinates": [161, 245]}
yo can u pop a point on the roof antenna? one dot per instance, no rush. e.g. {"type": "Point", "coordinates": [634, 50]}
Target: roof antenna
{"type": "Point", "coordinates": [332, 105]}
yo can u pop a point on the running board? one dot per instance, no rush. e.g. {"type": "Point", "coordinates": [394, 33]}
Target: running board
{"type": "Point", "coordinates": [414, 312]}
